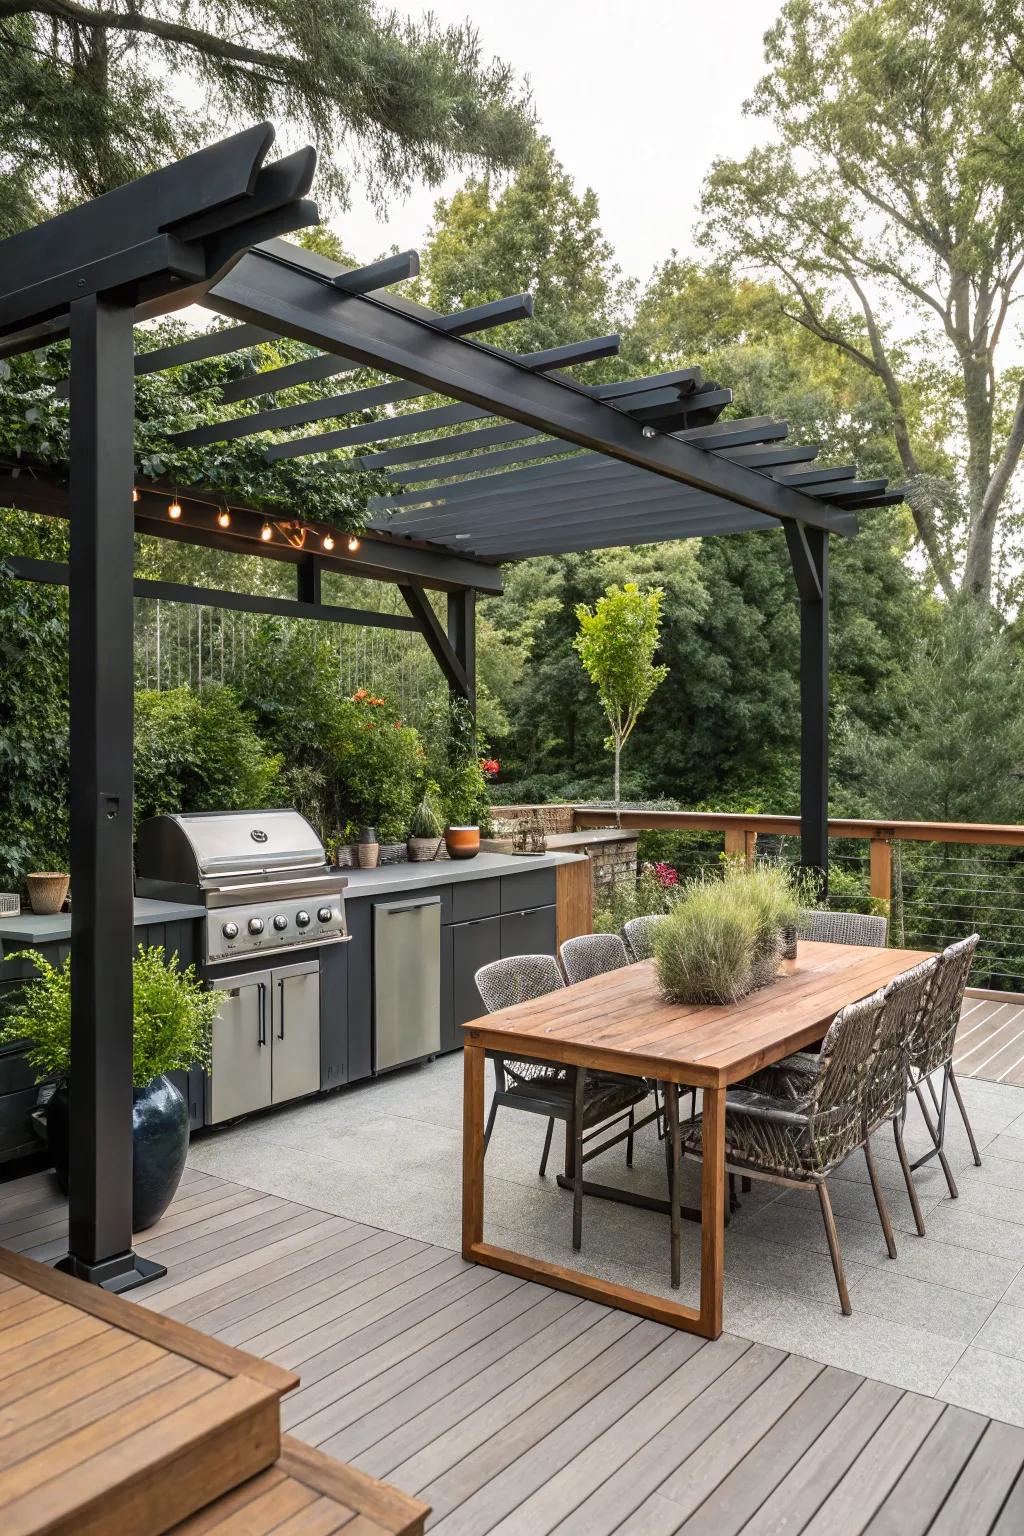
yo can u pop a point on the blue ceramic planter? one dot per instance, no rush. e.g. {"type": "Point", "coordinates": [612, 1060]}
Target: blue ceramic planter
{"type": "Point", "coordinates": [159, 1146]}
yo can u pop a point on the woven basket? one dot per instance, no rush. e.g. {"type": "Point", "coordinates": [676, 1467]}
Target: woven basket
{"type": "Point", "coordinates": [10, 905]}
{"type": "Point", "coordinates": [47, 892]}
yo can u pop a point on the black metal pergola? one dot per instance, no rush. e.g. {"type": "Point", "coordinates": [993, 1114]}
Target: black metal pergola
{"type": "Point", "coordinates": [522, 461]}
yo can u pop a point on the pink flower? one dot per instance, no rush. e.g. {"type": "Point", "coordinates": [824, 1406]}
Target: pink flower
{"type": "Point", "coordinates": [665, 875]}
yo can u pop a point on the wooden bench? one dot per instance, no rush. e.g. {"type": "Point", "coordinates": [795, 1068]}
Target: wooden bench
{"type": "Point", "coordinates": [114, 1418]}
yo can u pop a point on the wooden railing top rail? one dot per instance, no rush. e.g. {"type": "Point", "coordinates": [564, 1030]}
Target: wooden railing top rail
{"type": "Point", "coordinates": [990, 834]}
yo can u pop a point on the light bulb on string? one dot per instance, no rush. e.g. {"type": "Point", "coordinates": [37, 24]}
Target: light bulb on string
{"type": "Point", "coordinates": [174, 510]}
{"type": "Point", "coordinates": [224, 518]}
{"type": "Point", "coordinates": [327, 542]}
{"type": "Point", "coordinates": [266, 533]}
{"type": "Point", "coordinates": [353, 544]}
{"type": "Point", "coordinates": [135, 493]}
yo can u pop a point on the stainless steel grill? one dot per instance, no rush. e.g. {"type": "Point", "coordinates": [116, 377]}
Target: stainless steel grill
{"type": "Point", "coordinates": [263, 877]}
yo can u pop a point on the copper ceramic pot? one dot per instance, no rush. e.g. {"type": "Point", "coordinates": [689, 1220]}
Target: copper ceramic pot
{"type": "Point", "coordinates": [462, 842]}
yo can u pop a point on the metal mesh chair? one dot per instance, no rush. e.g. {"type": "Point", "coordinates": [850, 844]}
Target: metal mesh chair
{"type": "Point", "coordinates": [799, 1141]}
{"type": "Point", "coordinates": [584, 1101]}
{"type": "Point", "coordinates": [592, 954]}
{"type": "Point", "coordinates": [843, 928]}
{"type": "Point", "coordinates": [932, 1051]}
{"type": "Point", "coordinates": [639, 935]}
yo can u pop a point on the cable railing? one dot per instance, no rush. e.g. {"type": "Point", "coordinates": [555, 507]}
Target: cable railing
{"type": "Point", "coordinates": [935, 881]}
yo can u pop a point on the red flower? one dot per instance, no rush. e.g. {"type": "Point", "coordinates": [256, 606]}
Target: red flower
{"type": "Point", "coordinates": [665, 875]}
{"type": "Point", "coordinates": [490, 766]}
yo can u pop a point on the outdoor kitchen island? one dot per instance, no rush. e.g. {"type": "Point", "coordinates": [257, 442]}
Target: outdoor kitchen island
{"type": "Point", "coordinates": [397, 992]}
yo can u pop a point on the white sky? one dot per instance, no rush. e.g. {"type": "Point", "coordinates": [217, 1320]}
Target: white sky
{"type": "Point", "coordinates": [637, 98]}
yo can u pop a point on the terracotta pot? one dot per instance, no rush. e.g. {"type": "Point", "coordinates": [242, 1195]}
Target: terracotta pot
{"type": "Point", "coordinates": [462, 842]}
{"type": "Point", "coordinates": [47, 892]}
{"type": "Point", "coordinates": [369, 855]}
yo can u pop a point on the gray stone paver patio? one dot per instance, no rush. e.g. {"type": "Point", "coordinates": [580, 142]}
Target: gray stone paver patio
{"type": "Point", "coordinates": [945, 1319]}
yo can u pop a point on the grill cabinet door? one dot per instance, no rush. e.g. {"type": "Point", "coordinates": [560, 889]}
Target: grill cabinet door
{"type": "Point", "coordinates": [296, 1031]}
{"type": "Point", "coordinates": [239, 1078]}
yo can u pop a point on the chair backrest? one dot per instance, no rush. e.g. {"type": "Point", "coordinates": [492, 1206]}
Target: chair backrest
{"type": "Point", "coordinates": [904, 1002]}
{"type": "Point", "coordinates": [639, 935]}
{"type": "Point", "coordinates": [936, 1031]}
{"type": "Point", "coordinates": [519, 979]}
{"type": "Point", "coordinates": [843, 928]}
{"type": "Point", "coordinates": [591, 955]}
{"type": "Point", "coordinates": [835, 1112]}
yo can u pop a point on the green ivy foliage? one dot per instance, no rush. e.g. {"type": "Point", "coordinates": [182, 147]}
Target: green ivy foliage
{"type": "Point", "coordinates": [35, 426]}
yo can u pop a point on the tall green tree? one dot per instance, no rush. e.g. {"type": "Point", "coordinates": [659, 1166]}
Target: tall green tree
{"type": "Point", "coordinates": [92, 95]}
{"type": "Point", "coordinates": [616, 643]}
{"type": "Point", "coordinates": [536, 234]}
{"type": "Point", "coordinates": [889, 210]}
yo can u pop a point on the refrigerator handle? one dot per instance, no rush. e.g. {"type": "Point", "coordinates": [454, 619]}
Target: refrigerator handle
{"type": "Point", "coordinates": [280, 984]}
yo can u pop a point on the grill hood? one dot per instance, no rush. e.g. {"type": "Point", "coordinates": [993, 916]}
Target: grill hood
{"type": "Point", "coordinates": [204, 848]}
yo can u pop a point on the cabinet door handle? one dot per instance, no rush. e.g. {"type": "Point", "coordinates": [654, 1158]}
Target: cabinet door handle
{"type": "Point", "coordinates": [261, 1012]}
{"type": "Point", "coordinates": [280, 1034]}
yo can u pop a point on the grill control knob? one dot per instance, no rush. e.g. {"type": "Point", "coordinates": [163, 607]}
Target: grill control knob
{"type": "Point", "coordinates": [230, 930]}
{"type": "Point", "coordinates": [302, 919]}
{"type": "Point", "coordinates": [280, 922]}
{"type": "Point", "coordinates": [324, 915]}
{"type": "Point", "coordinates": [255, 925]}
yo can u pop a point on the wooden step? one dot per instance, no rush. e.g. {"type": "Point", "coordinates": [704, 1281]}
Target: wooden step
{"type": "Point", "coordinates": [115, 1419]}
{"type": "Point", "coordinates": [306, 1492]}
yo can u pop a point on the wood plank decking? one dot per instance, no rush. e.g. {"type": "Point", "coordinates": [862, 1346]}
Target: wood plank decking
{"type": "Point", "coordinates": [990, 1040]}
{"type": "Point", "coordinates": [512, 1408]}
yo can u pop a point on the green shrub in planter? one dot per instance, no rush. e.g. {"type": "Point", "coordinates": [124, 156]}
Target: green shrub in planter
{"type": "Point", "coordinates": [173, 1014]}
{"type": "Point", "coordinates": [705, 949]}
{"type": "Point", "coordinates": [772, 896]}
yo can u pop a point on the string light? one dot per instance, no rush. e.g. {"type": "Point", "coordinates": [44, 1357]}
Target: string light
{"type": "Point", "coordinates": [353, 544]}
{"type": "Point", "coordinates": [327, 542]}
{"type": "Point", "coordinates": [174, 510]}
{"type": "Point", "coordinates": [135, 493]}
{"type": "Point", "coordinates": [266, 533]}
{"type": "Point", "coordinates": [224, 518]}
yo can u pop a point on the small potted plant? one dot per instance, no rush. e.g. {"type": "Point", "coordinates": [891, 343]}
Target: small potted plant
{"type": "Point", "coordinates": [172, 1018]}
{"type": "Point", "coordinates": [425, 828]}
{"type": "Point", "coordinates": [368, 848]}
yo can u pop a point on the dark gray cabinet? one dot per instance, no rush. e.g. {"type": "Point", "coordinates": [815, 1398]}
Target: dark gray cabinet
{"type": "Point", "coordinates": [473, 945]}
{"type": "Point", "coordinates": [528, 933]}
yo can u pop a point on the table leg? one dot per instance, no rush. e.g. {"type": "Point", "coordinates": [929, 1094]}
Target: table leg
{"type": "Point", "coordinates": [712, 1201]}
{"type": "Point", "coordinates": [472, 1148]}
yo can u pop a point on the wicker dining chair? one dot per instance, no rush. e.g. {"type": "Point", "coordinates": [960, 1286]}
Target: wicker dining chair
{"type": "Point", "coordinates": [843, 928]}
{"type": "Point", "coordinates": [595, 954]}
{"type": "Point", "coordinates": [797, 1141]}
{"type": "Point", "coordinates": [592, 954]}
{"type": "Point", "coordinates": [639, 935]}
{"type": "Point", "coordinates": [932, 1051]}
{"type": "Point", "coordinates": [586, 1101]}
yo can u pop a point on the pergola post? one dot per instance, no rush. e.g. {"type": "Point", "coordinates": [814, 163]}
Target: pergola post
{"type": "Point", "coordinates": [808, 550]}
{"type": "Point", "coordinates": [101, 719]}
{"type": "Point", "coordinates": [462, 638]}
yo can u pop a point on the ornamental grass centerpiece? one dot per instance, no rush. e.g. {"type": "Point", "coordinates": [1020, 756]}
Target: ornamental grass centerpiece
{"type": "Point", "coordinates": [725, 937]}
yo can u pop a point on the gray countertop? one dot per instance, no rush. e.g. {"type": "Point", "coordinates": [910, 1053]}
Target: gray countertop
{"type": "Point", "coordinates": [30, 928]}
{"type": "Point", "coordinates": [388, 878]}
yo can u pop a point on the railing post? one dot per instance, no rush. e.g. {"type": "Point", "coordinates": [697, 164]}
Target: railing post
{"type": "Point", "coordinates": [741, 843]}
{"type": "Point", "coordinates": [881, 870]}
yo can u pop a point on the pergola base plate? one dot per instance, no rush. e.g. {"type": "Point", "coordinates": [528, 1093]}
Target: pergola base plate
{"type": "Point", "coordinates": [125, 1273]}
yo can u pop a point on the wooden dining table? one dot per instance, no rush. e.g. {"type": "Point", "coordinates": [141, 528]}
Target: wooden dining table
{"type": "Point", "coordinates": [620, 1022]}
